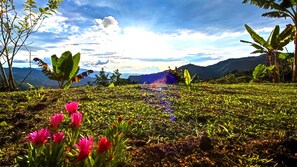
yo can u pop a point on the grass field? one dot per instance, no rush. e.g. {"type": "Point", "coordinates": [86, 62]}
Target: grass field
{"type": "Point", "coordinates": [214, 124]}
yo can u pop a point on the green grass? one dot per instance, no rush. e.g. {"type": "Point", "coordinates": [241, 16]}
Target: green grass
{"type": "Point", "coordinates": [248, 124]}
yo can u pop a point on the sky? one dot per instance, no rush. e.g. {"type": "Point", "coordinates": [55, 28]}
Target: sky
{"type": "Point", "coordinates": [148, 36]}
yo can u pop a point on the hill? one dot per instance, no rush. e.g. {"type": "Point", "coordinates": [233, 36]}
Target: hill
{"type": "Point", "coordinates": [36, 78]}
{"type": "Point", "coordinates": [209, 72]}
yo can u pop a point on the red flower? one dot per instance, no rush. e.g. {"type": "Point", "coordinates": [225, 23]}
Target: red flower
{"type": "Point", "coordinates": [104, 145]}
{"type": "Point", "coordinates": [76, 119]}
{"type": "Point", "coordinates": [39, 137]}
{"type": "Point", "coordinates": [120, 118]}
{"type": "Point", "coordinates": [71, 107]}
{"type": "Point", "coordinates": [58, 137]}
{"type": "Point", "coordinates": [85, 146]}
{"type": "Point", "coordinates": [56, 120]}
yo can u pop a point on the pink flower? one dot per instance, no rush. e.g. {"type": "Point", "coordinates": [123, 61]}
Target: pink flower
{"type": "Point", "coordinates": [56, 120]}
{"type": "Point", "coordinates": [71, 107]}
{"type": "Point", "coordinates": [76, 119]}
{"type": "Point", "coordinates": [39, 137]}
{"type": "Point", "coordinates": [104, 145]}
{"type": "Point", "coordinates": [85, 146]}
{"type": "Point", "coordinates": [58, 137]}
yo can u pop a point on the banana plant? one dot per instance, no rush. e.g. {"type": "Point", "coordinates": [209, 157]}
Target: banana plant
{"type": "Point", "coordinates": [280, 9]}
{"type": "Point", "coordinates": [274, 44]}
{"type": "Point", "coordinates": [261, 70]}
{"type": "Point", "coordinates": [64, 69]}
{"type": "Point", "coordinates": [188, 79]}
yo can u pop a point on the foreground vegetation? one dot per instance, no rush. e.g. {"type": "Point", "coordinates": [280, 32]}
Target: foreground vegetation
{"type": "Point", "coordinates": [213, 125]}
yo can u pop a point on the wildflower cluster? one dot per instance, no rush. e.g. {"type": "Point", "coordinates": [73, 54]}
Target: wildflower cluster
{"type": "Point", "coordinates": [58, 145]}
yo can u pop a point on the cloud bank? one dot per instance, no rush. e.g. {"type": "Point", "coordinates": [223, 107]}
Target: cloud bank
{"type": "Point", "coordinates": [149, 36]}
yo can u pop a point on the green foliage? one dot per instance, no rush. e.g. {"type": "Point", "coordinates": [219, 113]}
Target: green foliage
{"type": "Point", "coordinates": [280, 9]}
{"type": "Point", "coordinates": [35, 93]}
{"type": "Point", "coordinates": [188, 79]}
{"type": "Point", "coordinates": [286, 56]}
{"type": "Point", "coordinates": [234, 77]}
{"type": "Point", "coordinates": [102, 78]}
{"type": "Point", "coordinates": [111, 85]}
{"type": "Point", "coordinates": [261, 45]}
{"type": "Point", "coordinates": [271, 4]}
{"type": "Point", "coordinates": [3, 123]}
{"type": "Point", "coordinates": [286, 62]}
{"type": "Point", "coordinates": [64, 69]}
{"type": "Point", "coordinates": [177, 74]}
{"type": "Point", "coordinates": [239, 118]}
{"type": "Point", "coordinates": [116, 78]}
{"type": "Point", "coordinates": [261, 70]}
{"type": "Point", "coordinates": [276, 42]}
{"type": "Point", "coordinates": [116, 134]}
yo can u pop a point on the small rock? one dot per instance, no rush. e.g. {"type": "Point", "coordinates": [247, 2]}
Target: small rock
{"type": "Point", "coordinates": [205, 143]}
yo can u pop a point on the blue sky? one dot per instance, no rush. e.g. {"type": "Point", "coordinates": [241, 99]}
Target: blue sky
{"type": "Point", "coordinates": [146, 36]}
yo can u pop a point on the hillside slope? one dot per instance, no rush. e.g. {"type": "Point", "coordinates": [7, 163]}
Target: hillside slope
{"type": "Point", "coordinates": [209, 72]}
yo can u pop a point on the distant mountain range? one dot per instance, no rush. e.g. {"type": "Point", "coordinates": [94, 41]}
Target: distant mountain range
{"type": "Point", "coordinates": [209, 72]}
{"type": "Point", "coordinates": [37, 78]}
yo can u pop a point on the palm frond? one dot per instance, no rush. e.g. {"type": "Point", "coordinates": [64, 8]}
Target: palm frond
{"type": "Point", "coordinates": [258, 51]}
{"type": "Point", "coordinates": [266, 4]}
{"type": "Point", "coordinates": [257, 46]}
{"type": "Point", "coordinates": [243, 41]}
{"type": "Point", "coordinates": [286, 41]}
{"type": "Point", "coordinates": [257, 38]}
{"type": "Point", "coordinates": [289, 31]}
{"type": "Point", "coordinates": [273, 40]}
{"type": "Point", "coordinates": [276, 14]}
{"type": "Point", "coordinates": [80, 76]}
{"type": "Point", "coordinates": [288, 3]}
{"type": "Point", "coordinates": [45, 69]}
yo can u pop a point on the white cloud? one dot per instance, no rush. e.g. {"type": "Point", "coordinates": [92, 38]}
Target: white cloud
{"type": "Point", "coordinates": [101, 3]}
{"type": "Point", "coordinates": [54, 24]}
{"type": "Point", "coordinates": [108, 24]}
{"type": "Point", "coordinates": [74, 29]}
{"type": "Point", "coordinates": [79, 2]}
{"type": "Point", "coordinates": [130, 46]}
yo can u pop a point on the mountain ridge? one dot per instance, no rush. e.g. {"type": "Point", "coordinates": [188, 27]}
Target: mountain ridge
{"type": "Point", "coordinates": [38, 79]}
{"type": "Point", "coordinates": [209, 72]}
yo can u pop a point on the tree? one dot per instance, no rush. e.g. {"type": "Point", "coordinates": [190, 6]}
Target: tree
{"type": "Point", "coordinates": [102, 78]}
{"type": "Point", "coordinates": [64, 69]}
{"type": "Point", "coordinates": [15, 30]}
{"type": "Point", "coordinates": [275, 43]}
{"type": "Point", "coordinates": [116, 78]}
{"type": "Point", "coordinates": [175, 76]}
{"type": "Point", "coordinates": [281, 9]}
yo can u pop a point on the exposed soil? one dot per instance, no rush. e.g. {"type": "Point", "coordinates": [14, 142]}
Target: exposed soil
{"type": "Point", "coordinates": [191, 152]}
